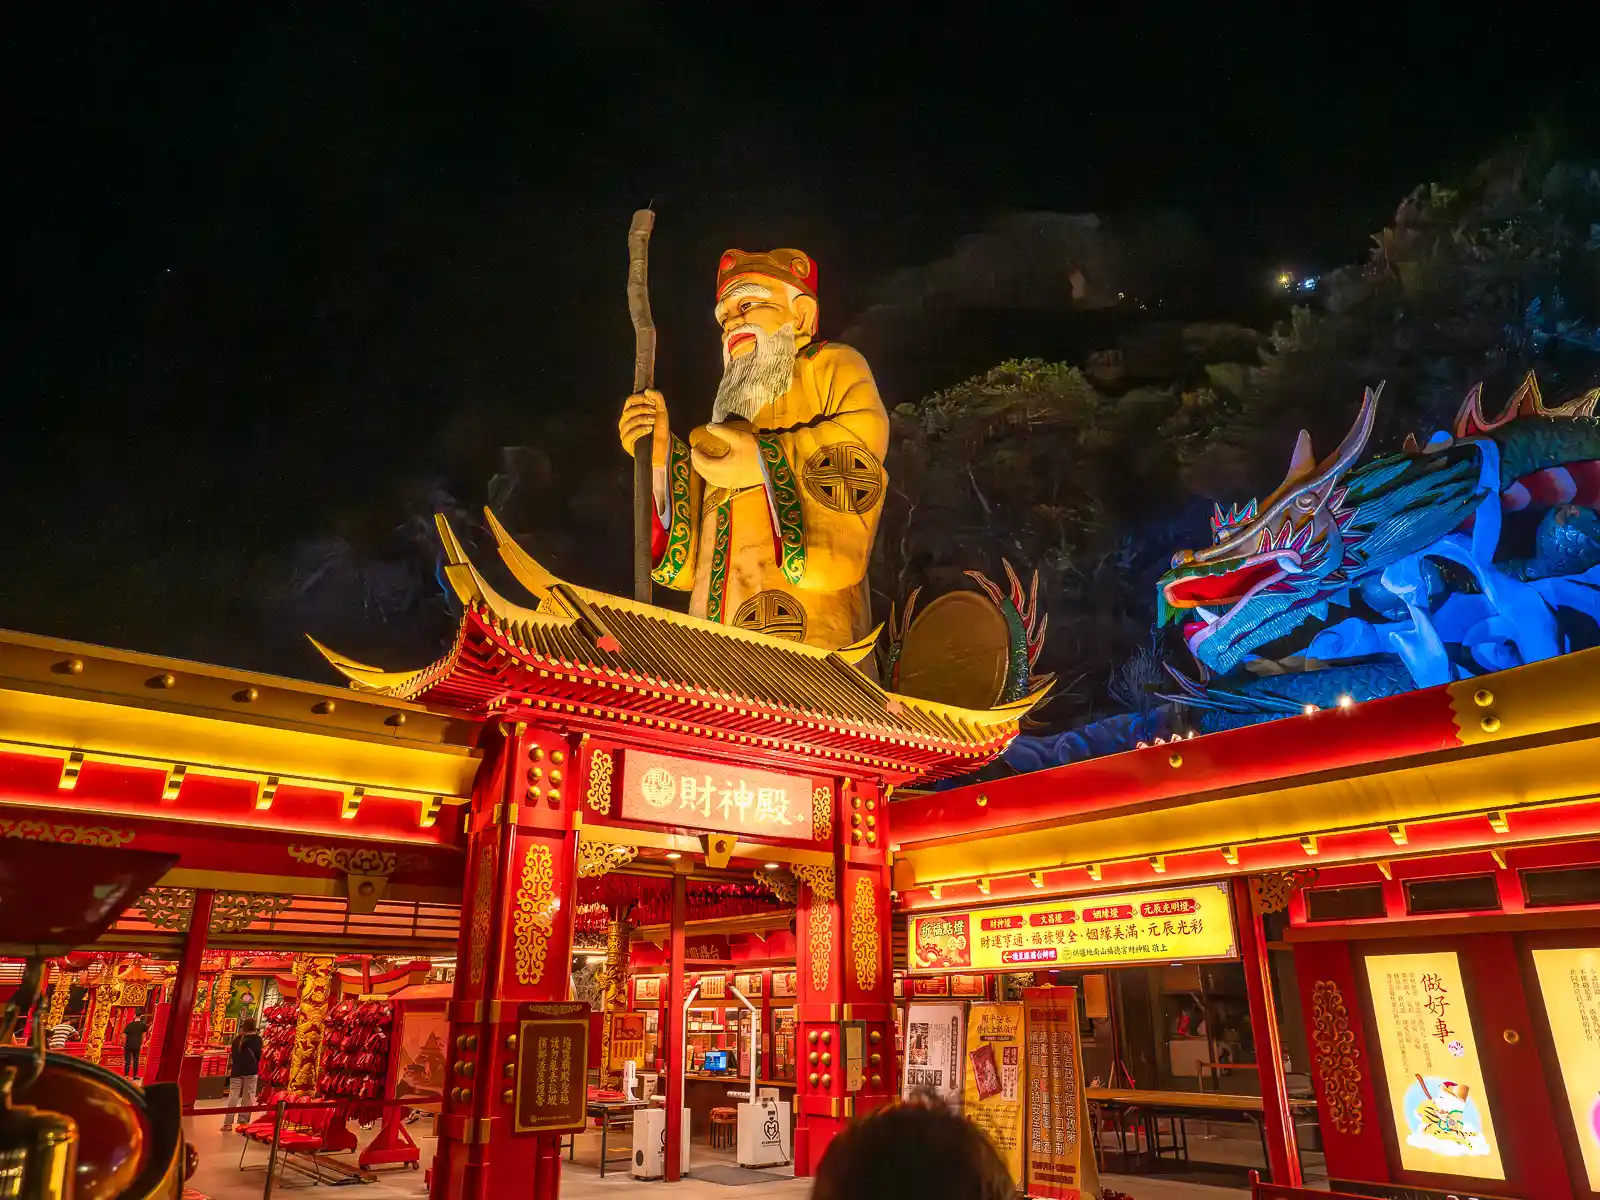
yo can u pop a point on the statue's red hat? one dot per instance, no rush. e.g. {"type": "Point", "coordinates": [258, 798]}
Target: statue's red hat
{"type": "Point", "coordinates": [794, 267]}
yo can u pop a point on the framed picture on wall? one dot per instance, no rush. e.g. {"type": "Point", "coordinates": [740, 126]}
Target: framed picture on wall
{"type": "Point", "coordinates": [713, 987]}
{"type": "Point", "coordinates": [967, 986]}
{"type": "Point", "coordinates": [783, 983]}
{"type": "Point", "coordinates": [647, 989]}
{"type": "Point", "coordinates": [749, 984]}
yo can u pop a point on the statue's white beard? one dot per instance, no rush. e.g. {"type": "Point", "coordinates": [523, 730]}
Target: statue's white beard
{"type": "Point", "coordinates": [753, 381]}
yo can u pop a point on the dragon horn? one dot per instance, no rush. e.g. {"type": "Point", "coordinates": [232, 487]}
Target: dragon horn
{"type": "Point", "coordinates": [1355, 441]}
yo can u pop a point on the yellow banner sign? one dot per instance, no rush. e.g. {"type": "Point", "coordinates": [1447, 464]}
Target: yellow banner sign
{"type": "Point", "coordinates": [1191, 923]}
{"type": "Point", "coordinates": [1437, 1097]}
{"type": "Point", "coordinates": [627, 1039]}
{"type": "Point", "coordinates": [991, 1095]}
{"type": "Point", "coordinates": [1569, 980]}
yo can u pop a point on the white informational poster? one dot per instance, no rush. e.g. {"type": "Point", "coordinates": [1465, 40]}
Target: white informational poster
{"type": "Point", "coordinates": [935, 1046]}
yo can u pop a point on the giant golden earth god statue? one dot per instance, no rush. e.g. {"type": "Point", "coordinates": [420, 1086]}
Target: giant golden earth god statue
{"type": "Point", "coordinates": [768, 513]}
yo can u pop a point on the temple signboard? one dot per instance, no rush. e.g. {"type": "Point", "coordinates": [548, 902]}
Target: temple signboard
{"type": "Point", "coordinates": [1191, 923]}
{"type": "Point", "coordinates": [552, 1065]}
{"type": "Point", "coordinates": [666, 790]}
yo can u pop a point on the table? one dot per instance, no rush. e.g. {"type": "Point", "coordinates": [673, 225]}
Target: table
{"type": "Point", "coordinates": [1151, 1105]}
{"type": "Point", "coordinates": [610, 1113]}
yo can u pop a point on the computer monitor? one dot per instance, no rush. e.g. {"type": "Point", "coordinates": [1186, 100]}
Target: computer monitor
{"type": "Point", "coordinates": [716, 1060]}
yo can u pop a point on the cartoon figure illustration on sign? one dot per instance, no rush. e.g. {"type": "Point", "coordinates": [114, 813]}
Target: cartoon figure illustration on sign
{"type": "Point", "coordinates": [1443, 1119]}
{"type": "Point", "coordinates": [770, 1129]}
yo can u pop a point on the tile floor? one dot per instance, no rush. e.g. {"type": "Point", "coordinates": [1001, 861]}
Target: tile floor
{"type": "Point", "coordinates": [219, 1178]}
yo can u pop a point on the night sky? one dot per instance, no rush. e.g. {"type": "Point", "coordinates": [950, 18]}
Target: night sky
{"type": "Point", "coordinates": [280, 272]}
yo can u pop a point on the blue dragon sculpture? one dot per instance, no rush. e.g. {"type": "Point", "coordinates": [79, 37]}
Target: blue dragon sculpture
{"type": "Point", "coordinates": [1476, 551]}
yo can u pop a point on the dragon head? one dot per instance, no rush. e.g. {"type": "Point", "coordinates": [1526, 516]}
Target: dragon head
{"type": "Point", "coordinates": [1270, 564]}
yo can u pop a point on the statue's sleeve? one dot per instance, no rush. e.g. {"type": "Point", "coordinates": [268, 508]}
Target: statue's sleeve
{"type": "Point", "coordinates": [677, 521]}
{"type": "Point", "coordinates": [824, 478]}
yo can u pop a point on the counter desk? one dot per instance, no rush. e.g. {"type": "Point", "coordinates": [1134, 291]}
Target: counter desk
{"type": "Point", "coordinates": [703, 1092]}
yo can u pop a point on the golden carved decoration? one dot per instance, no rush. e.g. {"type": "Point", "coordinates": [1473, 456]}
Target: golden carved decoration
{"type": "Point", "coordinates": [601, 766]}
{"type": "Point", "coordinates": [234, 912]}
{"type": "Point", "coordinates": [613, 982]}
{"type": "Point", "coordinates": [135, 994]}
{"type": "Point", "coordinates": [819, 925]}
{"type": "Point", "coordinates": [1271, 891]}
{"type": "Point", "coordinates": [782, 886]}
{"type": "Point", "coordinates": [864, 948]}
{"type": "Point", "coordinates": [844, 477]}
{"type": "Point", "coordinates": [478, 934]}
{"type": "Point", "coordinates": [167, 908]}
{"type": "Point", "coordinates": [357, 860]}
{"type": "Point", "coordinates": [822, 814]}
{"type": "Point", "coordinates": [774, 613]}
{"type": "Point", "coordinates": [104, 999]}
{"type": "Point", "coordinates": [819, 943]}
{"type": "Point", "coordinates": [74, 835]}
{"type": "Point", "coordinates": [315, 977]}
{"type": "Point", "coordinates": [220, 991]}
{"type": "Point", "coordinates": [1338, 1060]}
{"type": "Point", "coordinates": [170, 909]}
{"type": "Point", "coordinates": [598, 858]}
{"type": "Point", "coordinates": [818, 878]}
{"type": "Point", "coordinates": [534, 916]}
{"type": "Point", "coordinates": [60, 993]}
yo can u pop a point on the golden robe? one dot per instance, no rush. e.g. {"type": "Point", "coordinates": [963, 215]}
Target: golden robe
{"type": "Point", "coordinates": [787, 557]}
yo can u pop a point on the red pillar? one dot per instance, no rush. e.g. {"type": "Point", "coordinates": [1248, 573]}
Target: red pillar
{"type": "Point", "coordinates": [843, 960]}
{"type": "Point", "coordinates": [677, 1043]}
{"type": "Point", "coordinates": [175, 1038]}
{"type": "Point", "coordinates": [515, 948]}
{"type": "Point", "coordinates": [1283, 1159]}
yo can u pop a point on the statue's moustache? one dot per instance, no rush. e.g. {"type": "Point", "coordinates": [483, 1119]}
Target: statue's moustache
{"type": "Point", "coordinates": [728, 335]}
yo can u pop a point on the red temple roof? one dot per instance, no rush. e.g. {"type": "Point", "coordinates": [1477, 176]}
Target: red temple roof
{"type": "Point", "coordinates": [600, 660]}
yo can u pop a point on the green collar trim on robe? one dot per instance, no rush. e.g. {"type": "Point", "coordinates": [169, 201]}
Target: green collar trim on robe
{"type": "Point", "coordinates": [675, 557]}
{"type": "Point", "coordinates": [783, 496]}
{"type": "Point", "coordinates": [716, 593]}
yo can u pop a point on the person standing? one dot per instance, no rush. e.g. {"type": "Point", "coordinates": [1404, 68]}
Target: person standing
{"type": "Point", "coordinates": [244, 1071]}
{"type": "Point", "coordinates": [133, 1045]}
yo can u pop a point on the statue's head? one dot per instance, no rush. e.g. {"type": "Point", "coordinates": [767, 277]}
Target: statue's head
{"type": "Point", "coordinates": [766, 310]}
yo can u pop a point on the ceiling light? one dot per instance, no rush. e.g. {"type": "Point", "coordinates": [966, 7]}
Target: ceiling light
{"type": "Point", "coordinates": [673, 854]}
{"type": "Point", "coordinates": [772, 866]}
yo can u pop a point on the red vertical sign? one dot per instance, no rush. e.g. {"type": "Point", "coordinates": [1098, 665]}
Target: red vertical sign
{"type": "Point", "coordinates": [1053, 1147]}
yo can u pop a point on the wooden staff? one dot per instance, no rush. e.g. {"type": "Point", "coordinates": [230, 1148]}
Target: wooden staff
{"type": "Point", "coordinates": [644, 375]}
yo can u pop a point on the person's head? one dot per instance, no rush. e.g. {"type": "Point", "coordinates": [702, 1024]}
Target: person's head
{"type": "Point", "coordinates": [248, 1025]}
{"type": "Point", "coordinates": [918, 1150]}
{"type": "Point", "coordinates": [766, 308]}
